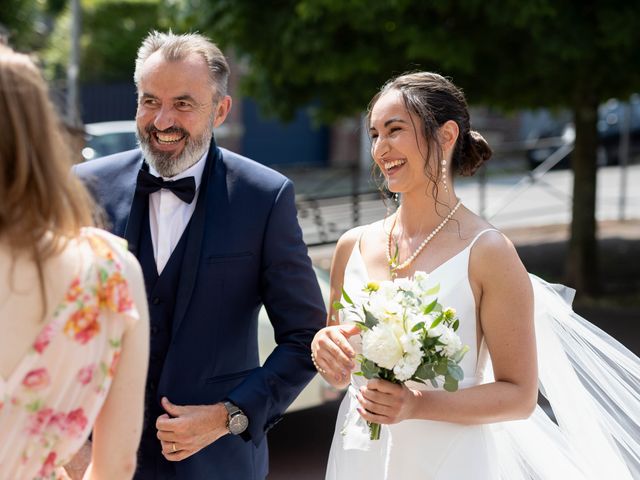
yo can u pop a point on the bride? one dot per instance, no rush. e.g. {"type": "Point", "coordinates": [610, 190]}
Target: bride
{"type": "Point", "coordinates": [521, 331]}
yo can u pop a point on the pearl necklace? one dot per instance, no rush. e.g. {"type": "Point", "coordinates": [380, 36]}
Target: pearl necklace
{"type": "Point", "coordinates": [392, 261]}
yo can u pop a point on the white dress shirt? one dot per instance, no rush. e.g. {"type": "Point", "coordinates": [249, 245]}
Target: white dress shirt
{"type": "Point", "coordinates": [169, 216]}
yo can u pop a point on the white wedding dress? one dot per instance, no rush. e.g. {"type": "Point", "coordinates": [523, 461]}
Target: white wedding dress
{"type": "Point", "coordinates": [596, 439]}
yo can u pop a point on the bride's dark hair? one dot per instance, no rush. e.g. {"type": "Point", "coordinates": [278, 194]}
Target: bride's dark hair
{"type": "Point", "coordinates": [436, 100]}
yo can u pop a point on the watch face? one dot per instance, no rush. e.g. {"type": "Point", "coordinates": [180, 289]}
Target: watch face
{"type": "Point", "coordinates": [238, 424]}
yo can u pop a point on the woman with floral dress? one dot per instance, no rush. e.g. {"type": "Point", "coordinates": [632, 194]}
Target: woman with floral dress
{"type": "Point", "coordinates": [73, 317]}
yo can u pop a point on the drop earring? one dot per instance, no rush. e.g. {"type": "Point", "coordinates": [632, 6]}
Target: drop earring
{"type": "Point", "coordinates": [444, 175]}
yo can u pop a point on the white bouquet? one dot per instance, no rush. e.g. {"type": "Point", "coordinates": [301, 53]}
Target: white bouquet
{"type": "Point", "coordinates": [406, 334]}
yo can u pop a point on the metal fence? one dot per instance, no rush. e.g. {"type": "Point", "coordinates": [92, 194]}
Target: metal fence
{"type": "Point", "coordinates": [334, 201]}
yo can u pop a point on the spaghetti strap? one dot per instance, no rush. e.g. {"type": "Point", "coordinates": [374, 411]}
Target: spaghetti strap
{"type": "Point", "coordinates": [480, 234]}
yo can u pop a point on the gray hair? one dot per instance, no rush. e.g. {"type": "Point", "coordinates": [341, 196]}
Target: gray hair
{"type": "Point", "coordinates": [177, 47]}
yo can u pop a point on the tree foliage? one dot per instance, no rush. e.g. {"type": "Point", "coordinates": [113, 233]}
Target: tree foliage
{"type": "Point", "coordinates": [112, 33]}
{"type": "Point", "coordinates": [335, 54]}
{"type": "Point", "coordinates": [503, 53]}
{"type": "Point", "coordinates": [23, 23]}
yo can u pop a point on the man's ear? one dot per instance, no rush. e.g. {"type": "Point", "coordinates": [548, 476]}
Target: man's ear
{"type": "Point", "coordinates": [222, 110]}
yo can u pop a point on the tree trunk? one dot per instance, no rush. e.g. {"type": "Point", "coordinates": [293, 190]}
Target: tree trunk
{"type": "Point", "coordinates": [582, 263]}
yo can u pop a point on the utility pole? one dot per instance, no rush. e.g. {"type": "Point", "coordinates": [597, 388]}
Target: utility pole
{"type": "Point", "coordinates": [73, 69]}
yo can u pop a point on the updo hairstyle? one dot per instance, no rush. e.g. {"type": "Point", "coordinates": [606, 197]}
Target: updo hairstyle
{"type": "Point", "coordinates": [435, 100]}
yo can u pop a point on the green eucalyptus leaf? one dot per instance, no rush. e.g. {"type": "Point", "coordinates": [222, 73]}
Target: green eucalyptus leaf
{"type": "Point", "coordinates": [425, 371]}
{"type": "Point", "coordinates": [433, 290]}
{"type": "Point", "coordinates": [429, 342]}
{"type": "Point", "coordinates": [361, 325]}
{"type": "Point", "coordinates": [441, 368]}
{"type": "Point", "coordinates": [450, 385]}
{"type": "Point", "coordinates": [429, 308]}
{"type": "Point", "coordinates": [456, 324]}
{"type": "Point", "coordinates": [455, 371]}
{"type": "Point", "coordinates": [437, 321]}
{"type": "Point", "coordinates": [370, 321]}
{"type": "Point", "coordinates": [346, 296]}
{"type": "Point", "coordinates": [337, 306]}
{"type": "Point", "coordinates": [418, 326]}
{"type": "Point", "coordinates": [369, 369]}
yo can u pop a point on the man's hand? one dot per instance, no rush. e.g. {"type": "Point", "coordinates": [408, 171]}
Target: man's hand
{"type": "Point", "coordinates": [187, 429]}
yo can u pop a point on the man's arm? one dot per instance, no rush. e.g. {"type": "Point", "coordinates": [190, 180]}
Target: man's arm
{"type": "Point", "coordinates": [294, 303]}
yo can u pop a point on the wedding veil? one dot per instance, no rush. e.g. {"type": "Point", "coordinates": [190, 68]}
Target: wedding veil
{"type": "Point", "coordinates": [592, 384]}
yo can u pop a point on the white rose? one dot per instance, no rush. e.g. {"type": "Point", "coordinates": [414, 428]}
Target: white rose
{"type": "Point", "coordinates": [420, 276]}
{"type": "Point", "coordinates": [381, 346]}
{"type": "Point", "coordinates": [387, 290]}
{"type": "Point", "coordinates": [451, 342]}
{"type": "Point", "coordinates": [381, 307]}
{"type": "Point", "coordinates": [412, 358]}
{"type": "Point", "coordinates": [434, 332]}
{"type": "Point", "coordinates": [403, 283]}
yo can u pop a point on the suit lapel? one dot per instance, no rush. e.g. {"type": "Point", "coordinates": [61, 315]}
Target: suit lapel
{"type": "Point", "coordinates": [209, 188]}
{"type": "Point", "coordinates": [134, 223]}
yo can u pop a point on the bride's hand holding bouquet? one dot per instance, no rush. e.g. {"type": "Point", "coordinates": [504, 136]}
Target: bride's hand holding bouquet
{"type": "Point", "coordinates": [406, 336]}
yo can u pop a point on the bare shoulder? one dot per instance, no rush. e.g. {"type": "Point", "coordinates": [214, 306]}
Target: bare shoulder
{"type": "Point", "coordinates": [494, 258]}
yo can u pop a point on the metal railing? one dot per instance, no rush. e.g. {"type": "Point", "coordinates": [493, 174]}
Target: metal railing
{"type": "Point", "coordinates": [343, 199]}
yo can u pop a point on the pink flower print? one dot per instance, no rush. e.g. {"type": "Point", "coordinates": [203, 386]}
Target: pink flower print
{"type": "Point", "coordinates": [48, 466]}
{"type": "Point", "coordinates": [114, 293]}
{"type": "Point", "coordinates": [85, 374]}
{"type": "Point", "coordinates": [43, 339]}
{"type": "Point", "coordinates": [114, 363]}
{"type": "Point", "coordinates": [74, 292]}
{"type": "Point", "coordinates": [59, 421]}
{"type": "Point", "coordinates": [83, 325]}
{"type": "Point", "coordinates": [38, 420]}
{"type": "Point", "coordinates": [36, 379]}
{"type": "Point", "coordinates": [76, 422]}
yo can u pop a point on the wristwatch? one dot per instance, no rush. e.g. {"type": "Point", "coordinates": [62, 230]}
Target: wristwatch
{"type": "Point", "coordinates": [237, 421]}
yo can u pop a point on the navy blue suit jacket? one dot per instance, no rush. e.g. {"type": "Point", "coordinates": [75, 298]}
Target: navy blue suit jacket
{"type": "Point", "coordinates": [244, 249]}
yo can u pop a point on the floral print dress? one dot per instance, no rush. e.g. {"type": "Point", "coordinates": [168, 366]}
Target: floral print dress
{"type": "Point", "coordinates": [49, 403]}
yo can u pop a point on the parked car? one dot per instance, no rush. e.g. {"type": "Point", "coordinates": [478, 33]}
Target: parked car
{"type": "Point", "coordinates": [318, 391]}
{"type": "Point", "coordinates": [105, 138]}
{"type": "Point", "coordinates": [611, 118]}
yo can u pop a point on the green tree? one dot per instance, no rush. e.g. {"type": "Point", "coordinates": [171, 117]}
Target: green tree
{"type": "Point", "coordinates": [25, 23]}
{"type": "Point", "coordinates": [111, 34]}
{"type": "Point", "coordinates": [507, 53]}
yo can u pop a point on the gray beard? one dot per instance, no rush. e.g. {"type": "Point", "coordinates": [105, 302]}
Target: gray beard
{"type": "Point", "coordinates": [168, 165]}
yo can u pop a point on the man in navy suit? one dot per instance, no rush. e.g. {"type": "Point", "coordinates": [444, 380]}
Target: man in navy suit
{"type": "Point", "coordinates": [217, 237]}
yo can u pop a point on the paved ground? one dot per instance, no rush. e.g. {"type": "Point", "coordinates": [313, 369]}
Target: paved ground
{"type": "Point", "coordinates": [299, 445]}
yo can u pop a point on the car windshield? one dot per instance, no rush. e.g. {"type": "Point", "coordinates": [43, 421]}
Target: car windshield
{"type": "Point", "coordinates": [111, 143]}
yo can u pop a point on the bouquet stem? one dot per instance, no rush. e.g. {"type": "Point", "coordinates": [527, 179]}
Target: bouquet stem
{"type": "Point", "coordinates": [374, 431]}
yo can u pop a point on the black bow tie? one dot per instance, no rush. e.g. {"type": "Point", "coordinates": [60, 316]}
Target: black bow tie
{"type": "Point", "coordinates": [184, 188]}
